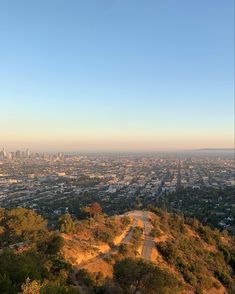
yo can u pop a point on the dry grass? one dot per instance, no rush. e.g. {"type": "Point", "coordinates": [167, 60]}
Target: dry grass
{"type": "Point", "coordinates": [154, 255]}
{"type": "Point", "coordinates": [100, 266]}
{"type": "Point", "coordinates": [118, 239]}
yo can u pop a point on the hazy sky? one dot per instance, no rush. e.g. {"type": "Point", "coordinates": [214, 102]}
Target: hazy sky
{"type": "Point", "coordinates": [116, 74]}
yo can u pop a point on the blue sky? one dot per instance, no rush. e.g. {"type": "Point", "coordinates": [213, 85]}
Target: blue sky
{"type": "Point", "coordinates": [116, 74]}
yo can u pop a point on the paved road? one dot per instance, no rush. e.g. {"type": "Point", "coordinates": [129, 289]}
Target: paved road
{"type": "Point", "coordinates": [148, 241]}
{"type": "Point", "coordinates": [126, 239]}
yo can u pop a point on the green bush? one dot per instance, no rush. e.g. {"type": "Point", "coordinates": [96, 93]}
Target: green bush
{"type": "Point", "coordinates": [126, 220]}
{"type": "Point", "coordinates": [155, 233]}
{"type": "Point", "coordinates": [139, 276]}
{"type": "Point", "coordinates": [126, 250]}
{"type": "Point", "coordinates": [106, 236]}
{"type": "Point", "coordinates": [66, 224]}
{"type": "Point", "coordinates": [94, 280]}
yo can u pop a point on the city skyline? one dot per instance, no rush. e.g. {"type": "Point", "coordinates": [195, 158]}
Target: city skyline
{"type": "Point", "coordinates": [119, 76]}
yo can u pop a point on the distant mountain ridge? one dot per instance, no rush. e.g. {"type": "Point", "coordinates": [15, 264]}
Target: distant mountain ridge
{"type": "Point", "coordinates": [215, 149]}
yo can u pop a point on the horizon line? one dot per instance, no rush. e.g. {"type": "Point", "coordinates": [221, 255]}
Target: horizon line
{"type": "Point", "coordinates": [122, 151]}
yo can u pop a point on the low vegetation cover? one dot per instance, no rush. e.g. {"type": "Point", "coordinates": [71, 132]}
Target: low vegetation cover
{"type": "Point", "coordinates": [30, 258]}
{"type": "Point", "coordinates": [204, 257]}
{"type": "Point", "coordinates": [139, 276]}
{"type": "Point", "coordinates": [130, 249]}
{"type": "Point", "coordinates": [190, 257]}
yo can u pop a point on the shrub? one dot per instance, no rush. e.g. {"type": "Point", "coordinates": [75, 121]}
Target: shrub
{"type": "Point", "coordinates": [90, 279]}
{"type": "Point", "coordinates": [144, 277]}
{"type": "Point", "coordinates": [66, 224]}
{"type": "Point", "coordinates": [137, 233]}
{"type": "Point", "coordinates": [126, 250]}
{"type": "Point", "coordinates": [168, 250]}
{"type": "Point", "coordinates": [155, 233]}
{"type": "Point", "coordinates": [126, 220]}
{"type": "Point", "coordinates": [106, 236]}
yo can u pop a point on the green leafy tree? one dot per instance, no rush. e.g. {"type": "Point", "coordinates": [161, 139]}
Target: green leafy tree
{"type": "Point", "coordinates": [51, 245]}
{"type": "Point", "coordinates": [2, 214]}
{"type": "Point", "coordinates": [5, 283]}
{"type": "Point", "coordinates": [55, 288]}
{"type": "Point", "coordinates": [139, 276]}
{"type": "Point", "coordinates": [66, 224]}
{"type": "Point", "coordinates": [126, 220]}
{"type": "Point", "coordinates": [94, 280]}
{"type": "Point", "coordinates": [126, 250]}
{"type": "Point", "coordinates": [31, 287]}
{"type": "Point", "coordinates": [23, 224]}
{"type": "Point", "coordinates": [55, 244]}
{"type": "Point", "coordinates": [15, 268]}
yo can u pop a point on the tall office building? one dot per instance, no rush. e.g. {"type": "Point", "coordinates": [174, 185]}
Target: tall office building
{"type": "Point", "coordinates": [1, 155]}
{"type": "Point", "coordinates": [27, 153]}
{"type": "Point", "coordinates": [4, 153]}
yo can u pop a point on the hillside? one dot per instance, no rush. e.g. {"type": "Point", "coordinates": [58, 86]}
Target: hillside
{"type": "Point", "coordinates": [139, 252]}
{"type": "Point", "coordinates": [199, 257]}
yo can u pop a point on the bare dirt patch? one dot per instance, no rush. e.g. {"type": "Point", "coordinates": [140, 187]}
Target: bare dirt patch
{"type": "Point", "coordinates": [154, 255]}
{"type": "Point", "coordinates": [162, 238]}
{"type": "Point", "coordinates": [100, 266]}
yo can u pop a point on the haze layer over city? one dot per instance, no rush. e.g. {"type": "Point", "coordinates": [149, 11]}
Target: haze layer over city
{"type": "Point", "coordinates": [117, 159]}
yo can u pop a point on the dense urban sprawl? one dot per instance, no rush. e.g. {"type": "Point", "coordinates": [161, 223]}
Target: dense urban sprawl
{"type": "Point", "coordinates": [53, 184]}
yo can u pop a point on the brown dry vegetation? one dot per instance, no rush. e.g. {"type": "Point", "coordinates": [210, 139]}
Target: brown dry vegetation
{"type": "Point", "coordinates": [193, 246]}
{"type": "Point", "coordinates": [181, 246]}
{"type": "Point", "coordinates": [100, 265]}
{"type": "Point", "coordinates": [93, 238]}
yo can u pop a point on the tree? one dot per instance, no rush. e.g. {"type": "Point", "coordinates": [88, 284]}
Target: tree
{"type": "Point", "coordinates": [66, 224]}
{"type": "Point", "coordinates": [51, 245]}
{"type": "Point", "coordinates": [2, 231]}
{"type": "Point", "coordinates": [126, 220]}
{"type": "Point", "coordinates": [155, 233]}
{"type": "Point", "coordinates": [139, 276]}
{"type": "Point", "coordinates": [54, 288]}
{"type": "Point", "coordinates": [126, 250]}
{"type": "Point", "coordinates": [31, 287]}
{"type": "Point", "coordinates": [93, 209]}
{"type": "Point", "coordinates": [23, 224]}
{"type": "Point", "coordinates": [89, 279]}
{"type": "Point", "coordinates": [5, 283]}
{"type": "Point", "coordinates": [15, 268]}
{"type": "Point", "coordinates": [55, 244]}
{"type": "Point", "coordinates": [2, 214]}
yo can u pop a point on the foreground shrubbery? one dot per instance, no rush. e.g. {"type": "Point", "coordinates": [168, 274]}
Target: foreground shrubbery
{"type": "Point", "coordinates": [139, 276]}
{"type": "Point", "coordinates": [30, 259]}
{"type": "Point", "coordinates": [30, 255]}
{"type": "Point", "coordinates": [201, 259]}
{"type": "Point", "coordinates": [132, 276]}
{"type": "Point", "coordinates": [20, 225]}
{"type": "Point", "coordinates": [109, 228]}
{"type": "Point", "coordinates": [49, 270]}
